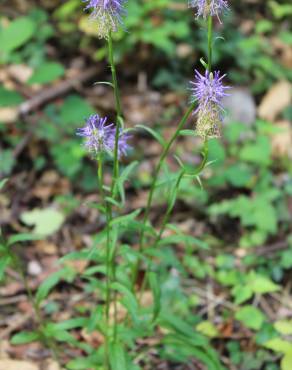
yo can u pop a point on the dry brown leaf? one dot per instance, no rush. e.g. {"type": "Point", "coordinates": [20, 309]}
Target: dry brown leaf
{"type": "Point", "coordinates": [51, 365]}
{"type": "Point", "coordinates": [282, 141]}
{"type": "Point", "coordinates": [46, 247]}
{"type": "Point", "coordinates": [8, 115]}
{"type": "Point", "coordinates": [276, 100]}
{"type": "Point", "coordinates": [17, 365]}
{"type": "Point", "coordinates": [20, 72]}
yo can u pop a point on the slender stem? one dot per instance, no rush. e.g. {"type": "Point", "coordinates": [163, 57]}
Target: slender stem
{"type": "Point", "coordinates": [119, 114]}
{"type": "Point", "coordinates": [181, 124]}
{"type": "Point", "coordinates": [182, 173]}
{"type": "Point", "coordinates": [210, 41]}
{"type": "Point", "coordinates": [163, 156]}
{"type": "Point", "coordinates": [36, 307]}
{"type": "Point", "coordinates": [119, 120]}
{"type": "Point", "coordinates": [108, 274]}
{"type": "Point", "coordinates": [171, 204]}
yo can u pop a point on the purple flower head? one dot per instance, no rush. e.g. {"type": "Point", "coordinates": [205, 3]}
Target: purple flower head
{"type": "Point", "coordinates": [209, 91]}
{"type": "Point", "coordinates": [108, 14]}
{"type": "Point", "coordinates": [208, 7]}
{"type": "Point", "coordinates": [100, 137]}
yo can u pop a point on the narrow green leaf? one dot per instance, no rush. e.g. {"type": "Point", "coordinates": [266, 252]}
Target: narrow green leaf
{"type": "Point", "coordinates": [2, 183]}
{"type": "Point", "coordinates": [155, 287]}
{"type": "Point", "coordinates": [25, 337]}
{"type": "Point", "coordinates": [126, 218]}
{"type": "Point", "coordinates": [47, 285]}
{"type": "Point", "coordinates": [118, 357]}
{"type": "Point", "coordinates": [187, 133]}
{"type": "Point", "coordinates": [128, 300]}
{"type": "Point", "coordinates": [4, 263]}
{"type": "Point", "coordinates": [154, 134]}
{"type": "Point", "coordinates": [26, 237]}
{"type": "Point", "coordinates": [123, 177]}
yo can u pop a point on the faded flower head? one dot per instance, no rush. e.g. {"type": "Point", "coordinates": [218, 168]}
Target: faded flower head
{"type": "Point", "coordinates": [208, 7]}
{"type": "Point", "coordinates": [209, 91]}
{"type": "Point", "coordinates": [100, 137]}
{"type": "Point", "coordinates": [107, 13]}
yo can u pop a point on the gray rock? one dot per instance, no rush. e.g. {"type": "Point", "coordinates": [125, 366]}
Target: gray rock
{"type": "Point", "coordinates": [240, 106]}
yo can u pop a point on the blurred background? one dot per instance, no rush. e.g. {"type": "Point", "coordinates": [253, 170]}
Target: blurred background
{"type": "Point", "coordinates": [50, 59]}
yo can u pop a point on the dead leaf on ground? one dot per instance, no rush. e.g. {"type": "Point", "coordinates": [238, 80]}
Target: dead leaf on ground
{"type": "Point", "coordinates": [51, 365]}
{"type": "Point", "coordinates": [276, 100]}
{"type": "Point", "coordinates": [20, 72]}
{"type": "Point", "coordinates": [17, 365]}
{"type": "Point", "coordinates": [282, 141]}
{"type": "Point", "coordinates": [8, 115]}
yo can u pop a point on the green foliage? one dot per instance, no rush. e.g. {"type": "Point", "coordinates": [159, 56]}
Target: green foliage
{"type": "Point", "coordinates": [46, 73]}
{"type": "Point", "coordinates": [245, 203]}
{"type": "Point", "coordinates": [9, 98]}
{"type": "Point", "coordinates": [251, 317]}
{"type": "Point", "coordinates": [16, 34]}
{"type": "Point", "coordinates": [45, 221]}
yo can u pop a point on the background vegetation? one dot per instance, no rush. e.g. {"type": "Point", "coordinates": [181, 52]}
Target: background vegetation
{"type": "Point", "coordinates": [225, 259]}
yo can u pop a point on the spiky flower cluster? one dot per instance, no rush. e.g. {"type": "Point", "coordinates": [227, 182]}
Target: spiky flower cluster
{"type": "Point", "coordinates": [208, 90]}
{"type": "Point", "coordinates": [107, 13]}
{"type": "Point", "coordinates": [101, 137]}
{"type": "Point", "coordinates": [208, 7]}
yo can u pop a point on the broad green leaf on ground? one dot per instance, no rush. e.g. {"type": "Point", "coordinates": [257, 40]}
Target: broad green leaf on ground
{"type": "Point", "coordinates": [284, 327]}
{"type": "Point", "coordinates": [279, 345]}
{"type": "Point", "coordinates": [9, 98]}
{"type": "Point", "coordinates": [286, 363]}
{"type": "Point", "coordinates": [242, 293]}
{"type": "Point", "coordinates": [74, 111]}
{"type": "Point", "coordinates": [251, 317]}
{"type": "Point", "coordinates": [16, 34]}
{"type": "Point", "coordinates": [207, 328]}
{"type": "Point", "coordinates": [47, 72]}
{"type": "Point", "coordinates": [45, 221]}
{"type": "Point", "coordinates": [261, 284]}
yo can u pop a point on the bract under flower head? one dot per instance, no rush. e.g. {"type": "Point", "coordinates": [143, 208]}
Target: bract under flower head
{"type": "Point", "coordinates": [107, 13]}
{"type": "Point", "coordinates": [208, 7]}
{"type": "Point", "coordinates": [100, 137]}
{"type": "Point", "coordinates": [209, 91]}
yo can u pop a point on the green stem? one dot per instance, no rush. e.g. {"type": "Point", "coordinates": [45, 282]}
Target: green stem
{"type": "Point", "coordinates": [210, 41]}
{"type": "Point", "coordinates": [171, 204]}
{"type": "Point", "coordinates": [119, 114]}
{"type": "Point", "coordinates": [36, 307]}
{"type": "Point", "coordinates": [119, 120]}
{"type": "Point", "coordinates": [164, 154]}
{"type": "Point", "coordinates": [108, 273]}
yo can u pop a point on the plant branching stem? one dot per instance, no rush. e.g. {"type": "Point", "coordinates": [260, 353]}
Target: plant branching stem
{"type": "Point", "coordinates": [107, 252]}
{"type": "Point", "coordinates": [164, 154]}
{"type": "Point", "coordinates": [210, 41]}
{"type": "Point", "coordinates": [172, 203]}
{"type": "Point", "coordinates": [119, 120]}
{"type": "Point", "coordinates": [119, 115]}
{"type": "Point", "coordinates": [36, 308]}
{"type": "Point", "coordinates": [161, 160]}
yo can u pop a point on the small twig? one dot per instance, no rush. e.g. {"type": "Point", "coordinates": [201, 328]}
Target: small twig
{"type": "Point", "coordinates": [13, 300]}
{"type": "Point", "coordinates": [16, 324]}
{"type": "Point", "coordinates": [217, 300]}
{"type": "Point", "coordinates": [53, 92]}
